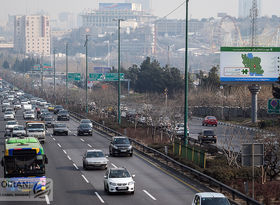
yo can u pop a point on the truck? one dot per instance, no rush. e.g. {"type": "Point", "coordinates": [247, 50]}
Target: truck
{"type": "Point", "coordinates": [36, 129]}
{"type": "Point", "coordinates": [27, 107]}
{"type": "Point", "coordinates": [23, 157]}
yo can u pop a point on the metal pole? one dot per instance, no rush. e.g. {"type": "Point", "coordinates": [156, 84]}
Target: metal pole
{"type": "Point", "coordinates": [119, 65]}
{"type": "Point", "coordinates": [186, 78]}
{"type": "Point", "coordinates": [253, 171]}
{"type": "Point", "coordinates": [66, 74]}
{"type": "Point", "coordinates": [254, 89]}
{"type": "Point", "coordinates": [54, 75]}
{"type": "Point", "coordinates": [108, 60]}
{"type": "Point", "coordinates": [86, 44]}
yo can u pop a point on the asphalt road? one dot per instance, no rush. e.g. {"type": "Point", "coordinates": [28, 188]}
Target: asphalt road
{"type": "Point", "coordinates": [73, 185]}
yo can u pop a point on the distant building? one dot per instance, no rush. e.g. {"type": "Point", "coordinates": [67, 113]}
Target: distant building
{"type": "Point", "coordinates": [146, 4]}
{"type": "Point", "coordinates": [102, 20]}
{"type": "Point", "coordinates": [245, 8]}
{"type": "Point", "coordinates": [32, 34]}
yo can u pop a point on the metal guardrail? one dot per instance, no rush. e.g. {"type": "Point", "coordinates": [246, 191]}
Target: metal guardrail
{"type": "Point", "coordinates": [145, 149]}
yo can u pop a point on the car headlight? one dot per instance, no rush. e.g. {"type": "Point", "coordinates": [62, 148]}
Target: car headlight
{"type": "Point", "coordinates": [130, 147]}
{"type": "Point", "coordinates": [113, 184]}
{"type": "Point", "coordinates": [131, 183]}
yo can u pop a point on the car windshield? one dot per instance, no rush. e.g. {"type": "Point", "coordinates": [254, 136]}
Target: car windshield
{"type": "Point", "coordinates": [29, 112]}
{"type": "Point", "coordinates": [48, 119]}
{"type": "Point", "coordinates": [180, 125]}
{"type": "Point", "coordinates": [19, 128]}
{"type": "Point", "coordinates": [85, 121]}
{"type": "Point", "coordinates": [94, 154]}
{"type": "Point", "coordinates": [59, 125]}
{"type": "Point", "coordinates": [209, 132]}
{"type": "Point", "coordinates": [11, 123]}
{"type": "Point", "coordinates": [8, 112]}
{"type": "Point", "coordinates": [85, 126]}
{"type": "Point", "coordinates": [212, 118]}
{"type": "Point", "coordinates": [58, 106]}
{"type": "Point", "coordinates": [214, 201]}
{"type": "Point", "coordinates": [63, 112]}
{"type": "Point", "coordinates": [35, 126]}
{"type": "Point", "coordinates": [121, 141]}
{"type": "Point", "coordinates": [119, 174]}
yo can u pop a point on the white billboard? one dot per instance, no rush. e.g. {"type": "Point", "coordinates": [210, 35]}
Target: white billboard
{"type": "Point", "coordinates": [249, 64]}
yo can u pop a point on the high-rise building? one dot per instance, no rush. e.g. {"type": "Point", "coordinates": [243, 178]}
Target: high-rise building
{"type": "Point", "coordinates": [246, 5]}
{"type": "Point", "coordinates": [32, 35]}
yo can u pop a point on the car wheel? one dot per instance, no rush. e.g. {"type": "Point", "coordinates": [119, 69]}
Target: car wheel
{"type": "Point", "coordinates": [131, 154]}
{"type": "Point", "coordinates": [66, 133]}
{"type": "Point", "coordinates": [84, 167]}
{"type": "Point", "coordinates": [54, 134]}
{"type": "Point", "coordinates": [132, 192]}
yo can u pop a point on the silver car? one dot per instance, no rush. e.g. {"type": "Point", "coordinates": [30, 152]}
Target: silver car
{"type": "Point", "coordinates": [94, 159]}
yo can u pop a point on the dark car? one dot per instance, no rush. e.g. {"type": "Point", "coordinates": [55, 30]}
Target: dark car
{"type": "Point", "coordinates": [59, 129]}
{"type": "Point", "coordinates": [49, 122]}
{"type": "Point", "coordinates": [57, 108]}
{"type": "Point", "coordinates": [45, 115]}
{"type": "Point", "coordinates": [8, 132]}
{"type": "Point", "coordinates": [63, 115]}
{"type": "Point", "coordinates": [84, 129]}
{"type": "Point", "coordinates": [210, 120]}
{"type": "Point", "coordinates": [120, 145]}
{"type": "Point", "coordinates": [207, 136]}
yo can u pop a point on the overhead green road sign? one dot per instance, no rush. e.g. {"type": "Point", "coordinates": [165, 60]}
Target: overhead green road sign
{"type": "Point", "coordinates": [105, 76]}
{"type": "Point", "coordinates": [74, 76]}
{"type": "Point", "coordinates": [47, 67]}
{"type": "Point", "coordinates": [273, 106]}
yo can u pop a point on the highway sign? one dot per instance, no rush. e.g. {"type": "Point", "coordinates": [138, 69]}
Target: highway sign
{"type": "Point", "coordinates": [273, 106]}
{"type": "Point", "coordinates": [105, 76]}
{"type": "Point", "coordinates": [249, 64]}
{"type": "Point", "coordinates": [248, 150]}
{"type": "Point", "coordinates": [47, 67]}
{"type": "Point", "coordinates": [74, 76]}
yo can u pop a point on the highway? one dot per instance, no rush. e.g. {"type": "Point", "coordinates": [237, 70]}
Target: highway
{"type": "Point", "coordinates": [73, 185]}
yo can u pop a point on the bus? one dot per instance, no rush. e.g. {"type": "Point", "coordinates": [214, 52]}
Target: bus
{"type": "Point", "coordinates": [23, 157]}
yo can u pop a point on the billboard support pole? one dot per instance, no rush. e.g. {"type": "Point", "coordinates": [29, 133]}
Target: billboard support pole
{"type": "Point", "coordinates": [254, 89]}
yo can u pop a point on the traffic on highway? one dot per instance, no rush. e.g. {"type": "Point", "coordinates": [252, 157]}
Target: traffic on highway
{"type": "Point", "coordinates": [42, 140]}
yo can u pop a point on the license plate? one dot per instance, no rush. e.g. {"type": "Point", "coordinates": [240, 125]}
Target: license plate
{"type": "Point", "coordinates": [122, 188]}
{"type": "Point", "coordinates": [123, 150]}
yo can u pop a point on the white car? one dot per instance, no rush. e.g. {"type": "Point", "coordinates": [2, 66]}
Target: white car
{"type": "Point", "coordinates": [11, 124]}
{"type": "Point", "coordinates": [205, 198]}
{"type": "Point", "coordinates": [118, 180]}
{"type": "Point", "coordinates": [94, 159]}
{"type": "Point", "coordinates": [6, 103]}
{"type": "Point", "coordinates": [17, 106]}
{"type": "Point", "coordinates": [29, 114]}
{"type": "Point", "coordinates": [9, 115]}
{"type": "Point", "coordinates": [18, 130]}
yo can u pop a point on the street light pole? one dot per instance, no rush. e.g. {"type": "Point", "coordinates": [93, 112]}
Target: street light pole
{"type": "Point", "coordinates": [86, 45]}
{"type": "Point", "coordinates": [66, 74]}
{"type": "Point", "coordinates": [54, 75]}
{"type": "Point", "coordinates": [186, 78]}
{"type": "Point", "coordinates": [119, 65]}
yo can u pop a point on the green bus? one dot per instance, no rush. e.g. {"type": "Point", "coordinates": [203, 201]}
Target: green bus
{"type": "Point", "coordinates": [23, 157]}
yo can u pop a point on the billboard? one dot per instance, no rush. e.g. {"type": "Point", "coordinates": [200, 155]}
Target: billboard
{"type": "Point", "coordinates": [115, 6]}
{"type": "Point", "coordinates": [249, 64]}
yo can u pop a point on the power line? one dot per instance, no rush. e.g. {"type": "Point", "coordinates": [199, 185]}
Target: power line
{"type": "Point", "coordinates": [174, 9]}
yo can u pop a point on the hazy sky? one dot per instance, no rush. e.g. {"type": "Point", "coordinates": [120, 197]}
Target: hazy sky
{"type": "Point", "coordinates": [197, 8]}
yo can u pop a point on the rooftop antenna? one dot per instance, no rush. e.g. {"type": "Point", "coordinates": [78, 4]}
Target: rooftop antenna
{"type": "Point", "coordinates": [254, 15]}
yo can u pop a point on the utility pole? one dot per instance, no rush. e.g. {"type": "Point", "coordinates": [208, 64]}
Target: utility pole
{"type": "Point", "coordinates": [54, 96]}
{"type": "Point", "coordinates": [86, 45]}
{"type": "Point", "coordinates": [186, 78]}
{"type": "Point", "coordinates": [66, 80]}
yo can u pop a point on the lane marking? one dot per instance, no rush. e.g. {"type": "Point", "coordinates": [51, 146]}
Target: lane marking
{"type": "Point", "coordinates": [75, 166]}
{"type": "Point", "coordinates": [168, 173]}
{"type": "Point", "coordinates": [64, 151]}
{"type": "Point", "coordinates": [47, 199]}
{"type": "Point", "coordinates": [99, 197]}
{"type": "Point", "coordinates": [69, 157]}
{"type": "Point", "coordinates": [58, 144]}
{"type": "Point", "coordinates": [54, 139]}
{"type": "Point", "coordinates": [114, 165]}
{"type": "Point", "coordinates": [85, 178]}
{"type": "Point", "coordinates": [82, 140]}
{"type": "Point", "coordinates": [150, 195]}
{"type": "Point", "coordinates": [89, 145]}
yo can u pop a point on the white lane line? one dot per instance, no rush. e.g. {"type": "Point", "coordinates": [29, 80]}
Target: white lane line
{"type": "Point", "coordinates": [47, 199]}
{"type": "Point", "coordinates": [85, 178]}
{"type": "Point", "coordinates": [89, 145]}
{"type": "Point", "coordinates": [69, 157]}
{"type": "Point", "coordinates": [75, 166]}
{"type": "Point", "coordinates": [151, 196]}
{"type": "Point", "coordinates": [82, 140]}
{"type": "Point", "coordinates": [99, 197]}
{"type": "Point", "coordinates": [54, 139]}
{"type": "Point", "coordinates": [64, 151]}
{"type": "Point", "coordinates": [114, 165]}
{"type": "Point", "coordinates": [58, 144]}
